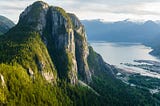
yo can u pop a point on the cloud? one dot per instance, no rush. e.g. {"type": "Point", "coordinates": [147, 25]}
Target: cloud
{"type": "Point", "coordinates": [13, 8]}
{"type": "Point", "coordinates": [136, 9]}
{"type": "Point", "coordinates": [109, 10]}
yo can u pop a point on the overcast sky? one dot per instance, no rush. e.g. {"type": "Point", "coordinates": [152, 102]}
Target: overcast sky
{"type": "Point", "coordinates": [108, 10]}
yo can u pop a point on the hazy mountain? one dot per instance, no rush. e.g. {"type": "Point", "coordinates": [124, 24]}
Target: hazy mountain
{"type": "Point", "coordinates": [122, 31]}
{"type": "Point", "coordinates": [45, 60]}
{"type": "Point", "coordinates": [5, 24]}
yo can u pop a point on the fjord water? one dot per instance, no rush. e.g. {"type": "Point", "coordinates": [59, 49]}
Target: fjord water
{"type": "Point", "coordinates": [122, 52]}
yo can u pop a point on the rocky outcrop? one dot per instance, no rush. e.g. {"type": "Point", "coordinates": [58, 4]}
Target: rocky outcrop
{"type": "Point", "coordinates": [2, 82]}
{"type": "Point", "coordinates": [65, 38]}
{"type": "Point", "coordinates": [30, 72]}
{"type": "Point", "coordinates": [48, 76]}
{"type": "Point", "coordinates": [35, 15]}
{"type": "Point", "coordinates": [82, 51]}
{"type": "Point", "coordinates": [60, 38]}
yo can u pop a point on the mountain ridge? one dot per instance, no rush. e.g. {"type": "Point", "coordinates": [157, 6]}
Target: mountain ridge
{"type": "Point", "coordinates": [45, 60]}
{"type": "Point", "coordinates": [5, 24]}
{"type": "Point", "coordinates": [122, 31]}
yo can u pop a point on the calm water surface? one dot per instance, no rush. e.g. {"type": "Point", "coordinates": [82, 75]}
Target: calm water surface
{"type": "Point", "coordinates": [116, 53]}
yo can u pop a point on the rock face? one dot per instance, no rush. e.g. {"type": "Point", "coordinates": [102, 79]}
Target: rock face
{"type": "Point", "coordinates": [35, 15]}
{"type": "Point", "coordinates": [60, 38]}
{"type": "Point", "coordinates": [82, 51]}
{"type": "Point", "coordinates": [65, 38]}
{"type": "Point", "coordinates": [2, 82]}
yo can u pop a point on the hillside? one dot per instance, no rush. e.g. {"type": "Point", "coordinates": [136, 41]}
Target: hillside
{"type": "Point", "coordinates": [5, 24]}
{"type": "Point", "coordinates": [46, 60]}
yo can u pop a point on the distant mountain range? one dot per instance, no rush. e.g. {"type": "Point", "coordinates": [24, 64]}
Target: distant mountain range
{"type": "Point", "coordinates": [122, 31]}
{"type": "Point", "coordinates": [5, 24]}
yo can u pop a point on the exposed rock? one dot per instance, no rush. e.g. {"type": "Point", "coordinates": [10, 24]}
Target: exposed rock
{"type": "Point", "coordinates": [27, 10]}
{"type": "Point", "coordinates": [48, 76]}
{"type": "Point", "coordinates": [76, 23]}
{"type": "Point", "coordinates": [35, 14]}
{"type": "Point", "coordinates": [30, 72]}
{"type": "Point", "coordinates": [65, 38]}
{"type": "Point", "coordinates": [62, 40]}
{"type": "Point", "coordinates": [2, 82]}
{"type": "Point", "coordinates": [42, 65]}
{"type": "Point", "coordinates": [82, 51]}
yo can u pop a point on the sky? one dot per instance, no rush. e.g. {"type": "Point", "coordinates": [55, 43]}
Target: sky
{"type": "Point", "coordinates": [106, 10]}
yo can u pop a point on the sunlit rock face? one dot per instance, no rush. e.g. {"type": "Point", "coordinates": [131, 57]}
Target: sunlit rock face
{"type": "Point", "coordinates": [82, 51]}
{"type": "Point", "coordinates": [65, 38]}
{"type": "Point", "coordinates": [2, 82]}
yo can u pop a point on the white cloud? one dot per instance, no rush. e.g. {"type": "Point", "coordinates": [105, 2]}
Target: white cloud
{"type": "Point", "coordinates": [113, 10]}
{"type": "Point", "coordinates": [13, 8]}
{"type": "Point", "coordinates": [109, 10]}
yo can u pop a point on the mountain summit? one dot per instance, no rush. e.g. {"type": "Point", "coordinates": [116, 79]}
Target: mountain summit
{"type": "Point", "coordinates": [63, 35]}
{"type": "Point", "coordinates": [45, 60]}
